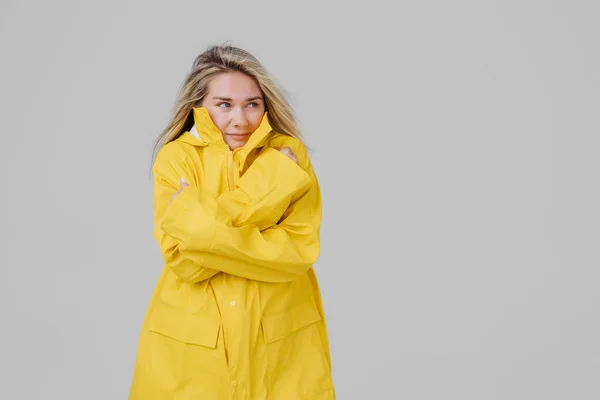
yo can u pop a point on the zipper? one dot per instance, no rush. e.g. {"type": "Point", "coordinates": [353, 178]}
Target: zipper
{"type": "Point", "coordinates": [231, 169]}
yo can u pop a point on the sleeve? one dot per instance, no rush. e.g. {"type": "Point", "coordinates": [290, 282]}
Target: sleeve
{"type": "Point", "coordinates": [210, 231]}
{"type": "Point", "coordinates": [169, 167]}
{"type": "Point", "coordinates": [264, 192]}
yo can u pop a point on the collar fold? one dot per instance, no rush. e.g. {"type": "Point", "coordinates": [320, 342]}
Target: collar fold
{"type": "Point", "coordinates": [205, 132]}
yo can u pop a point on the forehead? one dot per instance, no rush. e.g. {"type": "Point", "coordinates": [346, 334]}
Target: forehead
{"type": "Point", "coordinates": [233, 85]}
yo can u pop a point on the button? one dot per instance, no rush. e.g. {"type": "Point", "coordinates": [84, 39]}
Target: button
{"type": "Point", "coordinates": [233, 384]}
{"type": "Point", "coordinates": [233, 303]}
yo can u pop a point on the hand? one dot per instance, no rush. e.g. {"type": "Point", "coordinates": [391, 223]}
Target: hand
{"type": "Point", "coordinates": [289, 153]}
{"type": "Point", "coordinates": [183, 184]}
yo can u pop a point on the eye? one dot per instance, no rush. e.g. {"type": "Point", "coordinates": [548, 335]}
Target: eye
{"type": "Point", "coordinates": [253, 104]}
{"type": "Point", "coordinates": [223, 104]}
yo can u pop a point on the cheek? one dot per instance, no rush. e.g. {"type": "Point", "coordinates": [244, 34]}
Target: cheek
{"type": "Point", "coordinates": [255, 120]}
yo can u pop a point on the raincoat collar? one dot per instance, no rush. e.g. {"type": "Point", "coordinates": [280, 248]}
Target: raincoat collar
{"type": "Point", "coordinates": [205, 132]}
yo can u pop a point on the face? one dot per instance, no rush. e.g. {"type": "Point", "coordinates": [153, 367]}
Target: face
{"type": "Point", "coordinates": [236, 106]}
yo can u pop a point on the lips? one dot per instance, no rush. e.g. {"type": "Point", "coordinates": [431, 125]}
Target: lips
{"type": "Point", "coordinates": [238, 135]}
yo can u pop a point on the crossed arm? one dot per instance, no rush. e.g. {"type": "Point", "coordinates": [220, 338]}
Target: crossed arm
{"type": "Point", "coordinates": [266, 229]}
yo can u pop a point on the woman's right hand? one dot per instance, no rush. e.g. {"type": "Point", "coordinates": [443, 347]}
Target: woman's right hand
{"type": "Point", "coordinates": [289, 153]}
{"type": "Point", "coordinates": [183, 185]}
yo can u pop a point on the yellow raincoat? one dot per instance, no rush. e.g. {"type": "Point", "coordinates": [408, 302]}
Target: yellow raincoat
{"type": "Point", "coordinates": [237, 311]}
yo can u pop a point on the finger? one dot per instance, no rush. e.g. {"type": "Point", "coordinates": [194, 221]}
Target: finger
{"type": "Point", "coordinates": [290, 153]}
{"type": "Point", "coordinates": [287, 151]}
{"type": "Point", "coordinates": [183, 183]}
{"type": "Point", "coordinates": [175, 194]}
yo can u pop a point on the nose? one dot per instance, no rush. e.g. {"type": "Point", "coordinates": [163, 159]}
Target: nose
{"type": "Point", "coordinates": [239, 119]}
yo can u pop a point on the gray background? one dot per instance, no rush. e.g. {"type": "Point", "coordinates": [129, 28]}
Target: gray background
{"type": "Point", "coordinates": [456, 144]}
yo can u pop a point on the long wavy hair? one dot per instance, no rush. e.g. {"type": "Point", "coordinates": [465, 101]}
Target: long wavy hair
{"type": "Point", "coordinates": [216, 60]}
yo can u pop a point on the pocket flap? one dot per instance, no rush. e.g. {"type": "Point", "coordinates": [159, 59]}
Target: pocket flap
{"type": "Point", "coordinates": [199, 328]}
{"type": "Point", "coordinates": [280, 325]}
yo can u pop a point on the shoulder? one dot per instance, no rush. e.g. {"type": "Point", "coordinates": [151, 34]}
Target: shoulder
{"type": "Point", "coordinates": [281, 140]}
{"type": "Point", "coordinates": [171, 157]}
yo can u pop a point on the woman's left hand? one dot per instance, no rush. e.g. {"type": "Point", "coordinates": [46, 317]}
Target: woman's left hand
{"type": "Point", "coordinates": [183, 184]}
{"type": "Point", "coordinates": [289, 153]}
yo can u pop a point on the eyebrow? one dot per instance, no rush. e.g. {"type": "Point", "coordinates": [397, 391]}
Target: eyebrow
{"type": "Point", "coordinates": [229, 99]}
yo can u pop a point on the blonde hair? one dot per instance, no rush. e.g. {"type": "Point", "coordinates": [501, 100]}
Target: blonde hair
{"type": "Point", "coordinates": [216, 60]}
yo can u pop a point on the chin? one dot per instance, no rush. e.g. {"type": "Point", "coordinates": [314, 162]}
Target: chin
{"type": "Point", "coordinates": [235, 145]}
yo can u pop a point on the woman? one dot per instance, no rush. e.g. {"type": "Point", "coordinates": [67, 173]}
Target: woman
{"type": "Point", "coordinates": [237, 311]}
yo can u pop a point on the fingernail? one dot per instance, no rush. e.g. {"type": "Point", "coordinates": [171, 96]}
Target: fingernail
{"type": "Point", "coordinates": [183, 180]}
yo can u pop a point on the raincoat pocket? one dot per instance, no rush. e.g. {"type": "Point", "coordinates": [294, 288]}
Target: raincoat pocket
{"type": "Point", "coordinates": [280, 325]}
{"type": "Point", "coordinates": [294, 348]}
{"type": "Point", "coordinates": [198, 328]}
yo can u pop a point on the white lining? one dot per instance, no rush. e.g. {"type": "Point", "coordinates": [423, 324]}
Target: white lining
{"type": "Point", "coordinates": [194, 132]}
